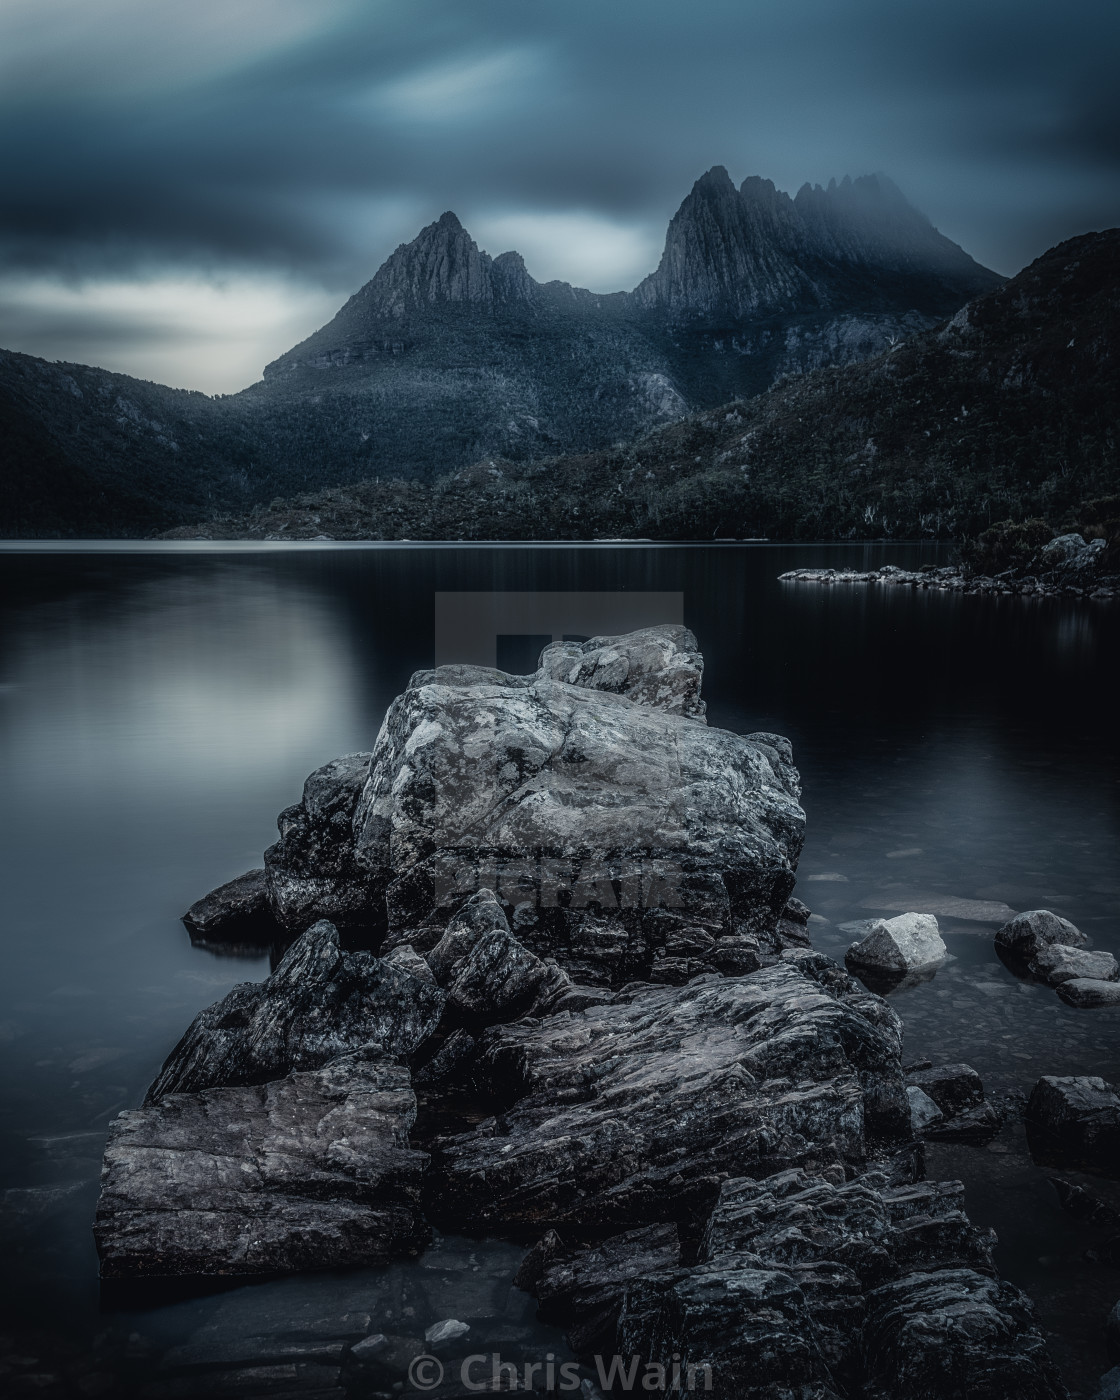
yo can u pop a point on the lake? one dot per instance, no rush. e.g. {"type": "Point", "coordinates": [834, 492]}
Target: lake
{"type": "Point", "coordinates": [160, 705]}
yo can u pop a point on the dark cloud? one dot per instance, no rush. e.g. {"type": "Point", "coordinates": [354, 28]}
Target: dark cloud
{"type": "Point", "coordinates": [309, 136]}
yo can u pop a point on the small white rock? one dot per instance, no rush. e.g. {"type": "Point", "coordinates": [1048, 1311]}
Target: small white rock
{"type": "Point", "coordinates": [449, 1330]}
{"type": "Point", "coordinates": [904, 944]}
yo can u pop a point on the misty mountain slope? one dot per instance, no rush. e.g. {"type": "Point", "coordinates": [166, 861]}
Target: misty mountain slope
{"type": "Point", "coordinates": [752, 284]}
{"type": "Point", "coordinates": [1010, 408]}
{"type": "Point", "coordinates": [448, 355]}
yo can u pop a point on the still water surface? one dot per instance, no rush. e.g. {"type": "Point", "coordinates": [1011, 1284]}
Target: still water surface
{"type": "Point", "coordinates": [158, 708]}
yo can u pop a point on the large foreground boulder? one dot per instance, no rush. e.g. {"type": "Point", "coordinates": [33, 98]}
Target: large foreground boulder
{"type": "Point", "coordinates": [632, 1113]}
{"type": "Point", "coordinates": [610, 830]}
{"type": "Point", "coordinates": [622, 836]}
{"type": "Point", "coordinates": [319, 1003]}
{"type": "Point", "coordinates": [312, 1171]}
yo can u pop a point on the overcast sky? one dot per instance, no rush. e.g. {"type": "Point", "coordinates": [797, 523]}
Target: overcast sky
{"type": "Point", "coordinates": [188, 187]}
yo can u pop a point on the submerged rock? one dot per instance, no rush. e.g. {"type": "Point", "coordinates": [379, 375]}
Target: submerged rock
{"type": "Point", "coordinates": [628, 1114]}
{"type": "Point", "coordinates": [1089, 992]}
{"type": "Point", "coordinates": [1074, 1121]}
{"type": "Point", "coordinates": [909, 943]}
{"type": "Point", "coordinates": [1026, 935]}
{"type": "Point", "coordinates": [1058, 962]}
{"type": "Point", "coordinates": [312, 1171]}
{"type": "Point", "coordinates": [318, 1004]}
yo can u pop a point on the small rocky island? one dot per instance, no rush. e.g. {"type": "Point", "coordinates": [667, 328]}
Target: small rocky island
{"type": "Point", "coordinates": [546, 979]}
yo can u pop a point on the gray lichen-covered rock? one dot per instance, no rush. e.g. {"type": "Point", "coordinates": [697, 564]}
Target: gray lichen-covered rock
{"type": "Point", "coordinates": [311, 1171]}
{"type": "Point", "coordinates": [629, 1113]}
{"type": "Point", "coordinates": [603, 825]}
{"type": "Point", "coordinates": [1058, 962]}
{"type": "Point", "coordinates": [612, 824]}
{"type": "Point", "coordinates": [1074, 1121]}
{"type": "Point", "coordinates": [658, 666]}
{"type": "Point", "coordinates": [238, 910]}
{"type": "Point", "coordinates": [318, 1004]}
{"type": "Point", "coordinates": [894, 947]}
{"type": "Point", "coordinates": [311, 870]}
{"type": "Point", "coordinates": [1025, 936]}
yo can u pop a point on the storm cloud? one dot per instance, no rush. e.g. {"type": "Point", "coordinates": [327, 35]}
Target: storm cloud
{"type": "Point", "coordinates": [275, 151]}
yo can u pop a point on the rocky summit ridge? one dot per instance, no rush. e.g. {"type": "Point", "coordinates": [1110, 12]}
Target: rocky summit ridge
{"type": "Point", "coordinates": [587, 1013]}
{"type": "Point", "coordinates": [449, 354]}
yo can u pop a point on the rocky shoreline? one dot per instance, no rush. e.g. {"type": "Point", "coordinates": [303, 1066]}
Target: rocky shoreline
{"type": "Point", "coordinates": [545, 979]}
{"type": "Point", "coordinates": [1075, 580]}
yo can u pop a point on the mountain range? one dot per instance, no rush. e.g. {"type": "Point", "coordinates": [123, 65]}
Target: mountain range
{"type": "Point", "coordinates": [1008, 409]}
{"type": "Point", "coordinates": [448, 355]}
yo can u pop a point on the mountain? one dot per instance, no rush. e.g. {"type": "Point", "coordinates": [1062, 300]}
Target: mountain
{"type": "Point", "coordinates": [448, 355]}
{"type": "Point", "coordinates": [1007, 409]}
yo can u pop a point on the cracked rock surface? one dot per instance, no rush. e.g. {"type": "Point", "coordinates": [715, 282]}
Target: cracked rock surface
{"type": "Point", "coordinates": [311, 1171]}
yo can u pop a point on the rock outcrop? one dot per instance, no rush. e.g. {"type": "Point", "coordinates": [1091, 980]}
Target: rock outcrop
{"type": "Point", "coordinates": [631, 1113]}
{"type": "Point", "coordinates": [319, 1003]}
{"type": "Point", "coordinates": [239, 910]}
{"type": "Point", "coordinates": [808, 1284]}
{"type": "Point", "coordinates": [310, 1171]}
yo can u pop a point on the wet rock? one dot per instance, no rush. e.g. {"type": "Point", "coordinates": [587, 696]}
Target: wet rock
{"type": "Point", "coordinates": [308, 1172]}
{"type": "Point", "coordinates": [977, 1125]}
{"type": "Point", "coordinates": [1025, 936]}
{"type": "Point", "coordinates": [955, 1332]}
{"type": "Point", "coordinates": [924, 1113]}
{"type": "Point", "coordinates": [236, 911]}
{"type": "Point", "coordinates": [456, 1053]}
{"type": "Point", "coordinates": [1058, 963]}
{"type": "Point", "coordinates": [1075, 1122]}
{"type": "Point", "coordinates": [657, 666]}
{"type": "Point", "coordinates": [318, 1004]}
{"type": "Point", "coordinates": [1109, 1387]}
{"type": "Point", "coordinates": [1089, 992]}
{"type": "Point", "coordinates": [811, 1285]}
{"type": "Point", "coordinates": [311, 871]}
{"type": "Point", "coordinates": [627, 1114]}
{"type": "Point", "coordinates": [894, 947]}
{"type": "Point", "coordinates": [583, 1289]}
{"type": "Point", "coordinates": [953, 1088]}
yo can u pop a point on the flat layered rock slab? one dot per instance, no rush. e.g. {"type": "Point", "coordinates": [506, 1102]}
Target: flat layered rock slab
{"type": "Point", "coordinates": [632, 1113]}
{"type": "Point", "coordinates": [312, 1171]}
